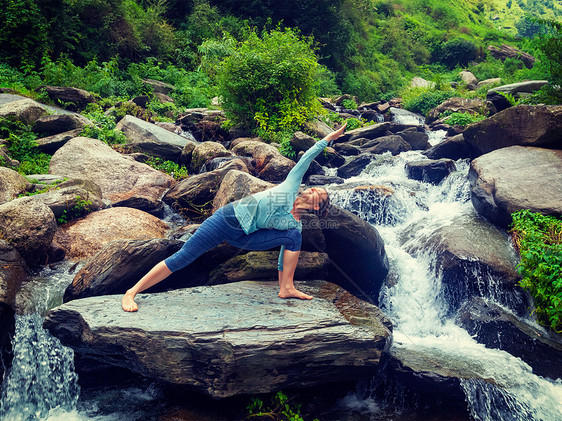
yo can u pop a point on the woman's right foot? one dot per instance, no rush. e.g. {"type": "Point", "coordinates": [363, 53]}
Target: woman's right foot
{"type": "Point", "coordinates": [294, 293]}
{"type": "Point", "coordinates": [128, 303]}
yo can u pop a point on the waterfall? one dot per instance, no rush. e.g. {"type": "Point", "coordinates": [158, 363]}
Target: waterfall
{"type": "Point", "coordinates": [414, 301]}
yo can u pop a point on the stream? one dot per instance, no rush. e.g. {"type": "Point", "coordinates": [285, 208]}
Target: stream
{"type": "Point", "coordinates": [42, 384]}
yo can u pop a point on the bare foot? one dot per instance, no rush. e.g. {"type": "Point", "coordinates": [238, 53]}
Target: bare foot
{"type": "Point", "coordinates": [128, 303]}
{"type": "Point", "coordinates": [294, 293]}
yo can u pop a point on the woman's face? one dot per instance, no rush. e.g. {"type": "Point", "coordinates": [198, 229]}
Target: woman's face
{"type": "Point", "coordinates": [313, 196]}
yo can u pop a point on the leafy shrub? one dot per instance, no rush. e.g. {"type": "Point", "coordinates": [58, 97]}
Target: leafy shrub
{"type": "Point", "coordinates": [169, 167]}
{"type": "Point", "coordinates": [280, 408]}
{"type": "Point", "coordinates": [268, 82]}
{"type": "Point", "coordinates": [103, 128]}
{"type": "Point", "coordinates": [458, 51]}
{"type": "Point", "coordinates": [422, 100]}
{"type": "Point", "coordinates": [80, 208]}
{"type": "Point", "coordinates": [539, 240]}
{"type": "Point", "coordinates": [22, 146]}
{"type": "Point", "coordinates": [349, 104]}
{"type": "Point", "coordinates": [462, 119]}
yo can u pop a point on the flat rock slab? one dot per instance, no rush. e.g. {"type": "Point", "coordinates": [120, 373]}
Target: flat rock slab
{"type": "Point", "coordinates": [232, 339]}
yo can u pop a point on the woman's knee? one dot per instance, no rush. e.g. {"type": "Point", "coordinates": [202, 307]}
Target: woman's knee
{"type": "Point", "coordinates": [294, 237]}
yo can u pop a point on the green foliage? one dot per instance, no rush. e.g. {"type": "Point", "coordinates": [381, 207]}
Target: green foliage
{"type": "Point", "coordinates": [169, 167]}
{"type": "Point", "coordinates": [421, 100]}
{"type": "Point", "coordinates": [280, 409]}
{"type": "Point", "coordinates": [353, 123]}
{"type": "Point", "coordinates": [22, 146]}
{"type": "Point", "coordinates": [458, 51]}
{"type": "Point", "coordinates": [80, 208]}
{"type": "Point", "coordinates": [268, 82]}
{"type": "Point", "coordinates": [539, 240]}
{"type": "Point", "coordinates": [103, 128]}
{"type": "Point", "coordinates": [462, 119]}
{"type": "Point", "coordinates": [349, 104]}
{"type": "Point", "coordinates": [550, 46]}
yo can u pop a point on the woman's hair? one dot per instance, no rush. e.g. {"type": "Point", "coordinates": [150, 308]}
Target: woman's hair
{"type": "Point", "coordinates": [324, 206]}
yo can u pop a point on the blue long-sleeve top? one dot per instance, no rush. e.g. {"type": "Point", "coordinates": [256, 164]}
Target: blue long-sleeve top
{"type": "Point", "coordinates": [271, 209]}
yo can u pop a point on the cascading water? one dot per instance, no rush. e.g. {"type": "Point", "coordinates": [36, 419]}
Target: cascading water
{"type": "Point", "coordinates": [423, 324]}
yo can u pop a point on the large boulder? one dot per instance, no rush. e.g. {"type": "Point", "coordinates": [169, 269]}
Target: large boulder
{"type": "Point", "coordinates": [498, 328]}
{"type": "Point", "coordinates": [193, 197]}
{"type": "Point", "coordinates": [455, 147]}
{"type": "Point", "coordinates": [416, 137]}
{"type": "Point", "coordinates": [510, 179]}
{"type": "Point", "coordinates": [72, 98]}
{"type": "Point", "coordinates": [25, 110]}
{"type": "Point", "coordinates": [472, 258]}
{"type": "Point", "coordinates": [507, 51]}
{"type": "Point", "coordinates": [358, 258]}
{"type": "Point", "coordinates": [70, 202]}
{"type": "Point", "coordinates": [526, 125]}
{"type": "Point", "coordinates": [262, 265]}
{"type": "Point", "coordinates": [217, 345]}
{"type": "Point", "coordinates": [51, 144]}
{"type": "Point", "coordinates": [468, 77]}
{"type": "Point", "coordinates": [392, 143]}
{"type": "Point", "coordinates": [14, 272]}
{"type": "Point", "coordinates": [12, 184]}
{"type": "Point", "coordinates": [58, 123]}
{"type": "Point", "coordinates": [355, 165]}
{"type": "Point", "coordinates": [516, 90]}
{"type": "Point", "coordinates": [429, 170]}
{"type": "Point", "coordinates": [152, 139]}
{"type": "Point", "coordinates": [237, 184]}
{"type": "Point", "coordinates": [29, 226]}
{"type": "Point", "coordinates": [205, 151]}
{"type": "Point", "coordinates": [369, 132]}
{"type": "Point", "coordinates": [85, 237]}
{"type": "Point", "coordinates": [123, 181]}
{"type": "Point", "coordinates": [461, 105]}
{"type": "Point", "coordinates": [268, 161]}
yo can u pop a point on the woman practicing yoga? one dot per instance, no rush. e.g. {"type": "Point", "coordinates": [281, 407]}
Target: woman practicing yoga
{"type": "Point", "coordinates": [261, 221]}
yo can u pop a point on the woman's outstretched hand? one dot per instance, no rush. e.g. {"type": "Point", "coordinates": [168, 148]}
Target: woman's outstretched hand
{"type": "Point", "coordinates": [334, 135]}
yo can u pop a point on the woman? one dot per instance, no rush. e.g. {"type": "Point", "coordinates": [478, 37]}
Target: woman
{"type": "Point", "coordinates": [261, 221]}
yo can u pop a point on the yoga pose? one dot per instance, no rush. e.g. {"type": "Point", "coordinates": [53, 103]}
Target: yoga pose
{"type": "Point", "coordinates": [261, 221]}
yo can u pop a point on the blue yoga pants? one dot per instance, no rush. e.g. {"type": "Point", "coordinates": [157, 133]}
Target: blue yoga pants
{"type": "Point", "coordinates": [224, 226]}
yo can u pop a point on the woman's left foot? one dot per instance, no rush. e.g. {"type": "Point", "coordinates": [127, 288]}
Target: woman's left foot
{"type": "Point", "coordinates": [294, 293]}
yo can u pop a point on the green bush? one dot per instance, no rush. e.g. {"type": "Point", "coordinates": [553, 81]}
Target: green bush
{"type": "Point", "coordinates": [103, 128]}
{"type": "Point", "coordinates": [462, 119]}
{"type": "Point", "coordinates": [169, 167]}
{"type": "Point", "coordinates": [539, 240]}
{"type": "Point", "coordinates": [422, 100]}
{"type": "Point", "coordinates": [22, 146]}
{"type": "Point", "coordinates": [268, 83]}
{"type": "Point", "coordinates": [458, 51]}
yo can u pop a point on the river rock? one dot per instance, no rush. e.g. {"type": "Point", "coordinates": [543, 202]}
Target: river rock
{"type": "Point", "coordinates": [498, 328]}
{"type": "Point", "coordinates": [473, 258]}
{"type": "Point", "coordinates": [204, 152]}
{"type": "Point", "coordinates": [187, 153]}
{"type": "Point", "coordinates": [416, 137]}
{"type": "Point", "coordinates": [210, 338]}
{"type": "Point", "coordinates": [262, 266]}
{"type": "Point", "coordinates": [14, 272]}
{"type": "Point", "coordinates": [358, 258]}
{"type": "Point", "coordinates": [152, 139]}
{"type": "Point", "coordinates": [429, 170]}
{"type": "Point", "coordinates": [489, 82]}
{"type": "Point", "coordinates": [346, 149]}
{"type": "Point", "coordinates": [122, 180]}
{"type": "Point", "coordinates": [321, 180]}
{"type": "Point", "coordinates": [461, 105]}
{"type": "Point", "coordinates": [237, 184]}
{"type": "Point", "coordinates": [527, 125]}
{"type": "Point", "coordinates": [517, 90]}
{"type": "Point", "coordinates": [330, 158]}
{"type": "Point", "coordinates": [269, 163]}
{"type": "Point", "coordinates": [355, 165]}
{"type": "Point", "coordinates": [12, 184]}
{"type": "Point", "coordinates": [370, 132]}
{"type": "Point", "coordinates": [510, 179]}
{"type": "Point", "coordinates": [393, 144]}
{"type": "Point", "coordinates": [216, 163]}
{"type": "Point", "coordinates": [70, 202]}
{"type": "Point", "coordinates": [29, 226]}
{"type": "Point", "coordinates": [318, 128]}
{"type": "Point", "coordinates": [454, 148]}
{"type": "Point", "coordinates": [51, 144]}
{"type": "Point", "coordinates": [507, 51]}
{"type": "Point", "coordinates": [72, 98]}
{"type": "Point", "coordinates": [25, 110]}
{"type": "Point", "coordinates": [302, 142]}
{"type": "Point", "coordinates": [85, 237]}
{"type": "Point", "coordinates": [59, 123]}
{"type": "Point", "coordinates": [6, 159]}
{"type": "Point", "coordinates": [193, 197]}
{"type": "Point", "coordinates": [468, 77]}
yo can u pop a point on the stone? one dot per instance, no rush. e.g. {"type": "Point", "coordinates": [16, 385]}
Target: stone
{"type": "Point", "coordinates": [489, 82]}
{"type": "Point", "coordinates": [526, 125]}
{"type": "Point", "coordinates": [322, 180]}
{"type": "Point", "coordinates": [14, 272]}
{"type": "Point", "coordinates": [517, 90]}
{"type": "Point", "coordinates": [507, 51]}
{"type": "Point", "coordinates": [453, 148]}
{"type": "Point", "coordinates": [358, 259]}
{"type": "Point", "coordinates": [318, 128]}
{"type": "Point", "coordinates": [204, 152]}
{"type": "Point", "coordinates": [329, 157]}
{"type": "Point", "coordinates": [262, 266]}
{"type": "Point", "coordinates": [70, 202]}
{"type": "Point", "coordinates": [468, 77]}
{"type": "Point", "coordinates": [29, 226]}
{"type": "Point", "coordinates": [369, 132]}
{"type": "Point", "coordinates": [498, 328]}
{"type": "Point", "coordinates": [51, 144]}
{"type": "Point", "coordinates": [393, 144]}
{"type": "Point", "coordinates": [193, 197]}
{"type": "Point", "coordinates": [418, 140]}
{"type": "Point", "coordinates": [431, 171]}
{"type": "Point", "coordinates": [217, 345]}
{"type": "Point", "coordinates": [12, 184]}
{"type": "Point", "coordinates": [514, 178]}
{"type": "Point", "coordinates": [268, 161]}
{"type": "Point", "coordinates": [473, 258]}
{"type": "Point", "coordinates": [346, 149]}
{"type": "Point", "coordinates": [187, 154]}
{"type": "Point", "coordinates": [84, 237]}
{"type": "Point", "coordinates": [355, 165]}
{"type": "Point", "coordinates": [216, 163]}
{"type": "Point", "coordinates": [152, 139]}
{"type": "Point", "coordinates": [122, 181]}
{"type": "Point", "coordinates": [302, 142]}
{"type": "Point", "coordinates": [72, 98]}
{"type": "Point", "coordinates": [237, 184]}
{"type": "Point", "coordinates": [159, 86]}
{"type": "Point", "coordinates": [25, 110]}
{"type": "Point", "coordinates": [49, 125]}
{"type": "Point", "coordinates": [461, 105]}
{"type": "Point", "coordinates": [419, 82]}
